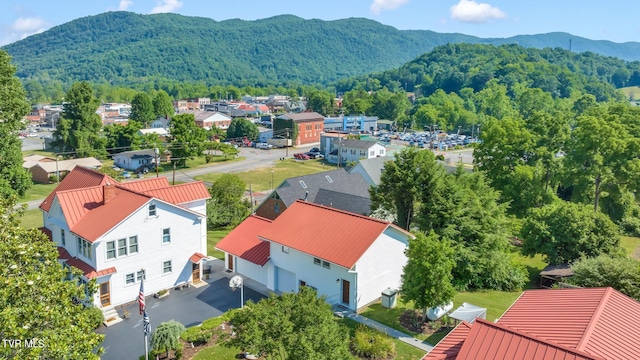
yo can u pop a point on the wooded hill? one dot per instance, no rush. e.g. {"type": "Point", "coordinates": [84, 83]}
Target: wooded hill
{"type": "Point", "coordinates": [123, 48]}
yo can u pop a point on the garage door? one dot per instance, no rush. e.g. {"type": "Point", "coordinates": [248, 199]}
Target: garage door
{"type": "Point", "coordinates": [285, 280]}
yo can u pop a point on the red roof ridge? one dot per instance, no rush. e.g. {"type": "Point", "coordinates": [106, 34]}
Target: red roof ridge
{"type": "Point", "coordinates": [537, 339]}
{"type": "Point", "coordinates": [133, 191]}
{"type": "Point", "coordinates": [354, 215]}
{"type": "Point", "coordinates": [594, 318]}
{"type": "Point", "coordinates": [260, 218]}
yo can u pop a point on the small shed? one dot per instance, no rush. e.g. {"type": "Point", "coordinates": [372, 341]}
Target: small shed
{"type": "Point", "coordinates": [553, 274]}
{"type": "Point", "coordinates": [469, 313]}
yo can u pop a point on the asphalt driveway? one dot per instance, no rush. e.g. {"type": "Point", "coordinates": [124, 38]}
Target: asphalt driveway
{"type": "Point", "coordinates": [189, 306]}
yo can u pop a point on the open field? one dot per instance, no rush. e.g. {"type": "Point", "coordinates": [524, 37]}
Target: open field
{"type": "Point", "coordinates": [213, 237]}
{"type": "Point", "coordinates": [260, 179]}
{"type": "Point", "coordinates": [32, 219]}
{"type": "Point", "coordinates": [631, 92]}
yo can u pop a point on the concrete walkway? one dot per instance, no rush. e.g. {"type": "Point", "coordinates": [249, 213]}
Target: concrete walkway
{"type": "Point", "coordinates": [423, 345]}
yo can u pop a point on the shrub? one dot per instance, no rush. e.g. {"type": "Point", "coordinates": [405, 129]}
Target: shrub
{"type": "Point", "coordinates": [166, 336]}
{"type": "Point", "coordinates": [440, 157]}
{"type": "Point", "coordinates": [370, 344]}
{"type": "Point", "coordinates": [208, 158]}
{"type": "Point", "coordinates": [212, 323]}
{"type": "Point", "coordinates": [630, 226]}
{"type": "Point", "coordinates": [228, 315]}
{"type": "Point", "coordinates": [196, 334]}
{"type": "Point", "coordinates": [95, 316]}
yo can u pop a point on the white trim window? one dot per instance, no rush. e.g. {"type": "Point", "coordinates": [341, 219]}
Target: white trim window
{"type": "Point", "coordinates": [166, 236]}
{"type": "Point", "coordinates": [167, 267]}
{"type": "Point", "coordinates": [84, 247]}
{"type": "Point", "coordinates": [152, 210]}
{"type": "Point", "coordinates": [133, 244]}
{"type": "Point", "coordinates": [121, 247]}
{"type": "Point", "coordinates": [134, 278]}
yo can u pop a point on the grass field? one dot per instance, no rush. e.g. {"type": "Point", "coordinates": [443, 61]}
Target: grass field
{"type": "Point", "coordinates": [631, 245]}
{"type": "Point", "coordinates": [631, 90]}
{"type": "Point", "coordinates": [261, 178]}
{"type": "Point", "coordinates": [38, 191]}
{"type": "Point", "coordinates": [213, 237]}
{"type": "Point", "coordinates": [32, 219]}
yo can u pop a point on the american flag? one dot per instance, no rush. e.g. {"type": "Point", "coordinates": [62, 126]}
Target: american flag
{"type": "Point", "coordinates": [141, 297]}
{"type": "Point", "coordinates": [145, 323]}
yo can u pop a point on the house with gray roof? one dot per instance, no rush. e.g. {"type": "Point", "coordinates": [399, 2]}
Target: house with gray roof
{"type": "Point", "coordinates": [371, 169]}
{"type": "Point", "coordinates": [336, 188]}
{"type": "Point", "coordinates": [354, 150]}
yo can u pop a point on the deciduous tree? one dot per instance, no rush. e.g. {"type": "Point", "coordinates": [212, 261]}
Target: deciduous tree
{"type": "Point", "coordinates": [163, 105]}
{"type": "Point", "coordinates": [37, 303]}
{"type": "Point", "coordinates": [321, 101]}
{"type": "Point", "coordinates": [290, 326]}
{"type": "Point", "coordinates": [187, 139]}
{"type": "Point", "coordinates": [227, 206]}
{"type": "Point", "coordinates": [427, 276]}
{"type": "Point", "coordinates": [620, 272]}
{"type": "Point", "coordinates": [241, 127]}
{"type": "Point", "coordinates": [564, 232]}
{"type": "Point", "coordinates": [14, 179]}
{"type": "Point", "coordinates": [142, 110]}
{"type": "Point", "coordinates": [166, 336]}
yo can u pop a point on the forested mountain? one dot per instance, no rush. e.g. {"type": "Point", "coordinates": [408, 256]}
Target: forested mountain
{"type": "Point", "coordinates": [123, 48]}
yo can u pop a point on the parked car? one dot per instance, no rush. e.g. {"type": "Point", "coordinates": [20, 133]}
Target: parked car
{"type": "Point", "coordinates": [301, 156]}
{"type": "Point", "coordinates": [264, 146]}
{"type": "Point", "coordinates": [314, 150]}
{"type": "Point", "coordinates": [126, 175]}
{"type": "Point", "coordinates": [315, 155]}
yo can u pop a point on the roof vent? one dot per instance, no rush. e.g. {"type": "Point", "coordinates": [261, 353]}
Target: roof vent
{"type": "Point", "coordinates": [306, 195]}
{"type": "Point", "coordinates": [303, 184]}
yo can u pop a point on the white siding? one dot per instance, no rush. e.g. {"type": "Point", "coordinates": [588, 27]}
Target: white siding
{"type": "Point", "coordinates": [381, 266]}
{"type": "Point", "coordinates": [186, 239]}
{"type": "Point", "coordinates": [251, 270]}
{"type": "Point", "coordinates": [301, 264]}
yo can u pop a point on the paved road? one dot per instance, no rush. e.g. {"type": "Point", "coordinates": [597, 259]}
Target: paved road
{"type": "Point", "coordinates": [189, 306]}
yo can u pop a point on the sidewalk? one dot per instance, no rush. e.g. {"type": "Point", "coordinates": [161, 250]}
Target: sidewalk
{"type": "Point", "coordinates": [386, 330]}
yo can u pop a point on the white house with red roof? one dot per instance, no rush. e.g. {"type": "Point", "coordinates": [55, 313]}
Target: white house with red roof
{"type": "Point", "coordinates": [347, 257]}
{"type": "Point", "coordinates": [580, 324]}
{"type": "Point", "coordinates": [118, 233]}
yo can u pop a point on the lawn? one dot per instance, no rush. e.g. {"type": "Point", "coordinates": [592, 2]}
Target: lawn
{"type": "Point", "coordinates": [32, 219]}
{"type": "Point", "coordinates": [213, 237]}
{"type": "Point", "coordinates": [404, 351]}
{"type": "Point", "coordinates": [630, 244]}
{"type": "Point", "coordinates": [38, 191]}
{"type": "Point", "coordinates": [217, 351]}
{"type": "Point", "coordinates": [261, 178]}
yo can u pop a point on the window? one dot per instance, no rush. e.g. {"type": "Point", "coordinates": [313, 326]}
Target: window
{"type": "Point", "coordinates": [276, 208]}
{"type": "Point", "coordinates": [303, 184]}
{"type": "Point", "coordinates": [62, 239]}
{"type": "Point", "coordinates": [84, 247]}
{"type": "Point", "coordinates": [140, 275]}
{"type": "Point", "coordinates": [152, 210]}
{"type": "Point", "coordinates": [316, 261]}
{"type": "Point", "coordinates": [285, 249]}
{"type": "Point", "coordinates": [111, 250]}
{"type": "Point", "coordinates": [381, 151]}
{"type": "Point", "coordinates": [329, 179]}
{"type": "Point", "coordinates": [122, 247]}
{"type": "Point", "coordinates": [326, 265]}
{"type": "Point", "coordinates": [130, 279]}
{"type": "Point", "coordinates": [344, 150]}
{"type": "Point", "coordinates": [166, 267]}
{"type": "Point", "coordinates": [353, 151]}
{"type": "Point", "coordinates": [133, 244]}
{"type": "Point", "coordinates": [166, 236]}
{"type": "Point", "coordinates": [303, 283]}
{"type": "Point", "coordinates": [372, 153]}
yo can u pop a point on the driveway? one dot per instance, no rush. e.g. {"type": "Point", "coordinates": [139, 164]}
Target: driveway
{"type": "Point", "coordinates": [189, 306]}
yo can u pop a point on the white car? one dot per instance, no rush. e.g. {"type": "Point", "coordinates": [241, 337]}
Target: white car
{"type": "Point", "coordinates": [264, 146]}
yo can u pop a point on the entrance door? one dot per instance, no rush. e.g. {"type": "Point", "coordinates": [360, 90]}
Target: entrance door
{"type": "Point", "coordinates": [195, 274]}
{"type": "Point", "coordinates": [105, 294]}
{"type": "Point", "coordinates": [345, 291]}
{"type": "Point", "coordinates": [230, 261]}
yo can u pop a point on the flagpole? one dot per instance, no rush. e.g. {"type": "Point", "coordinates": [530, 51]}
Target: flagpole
{"type": "Point", "coordinates": [145, 317]}
{"type": "Point", "coordinates": [146, 346]}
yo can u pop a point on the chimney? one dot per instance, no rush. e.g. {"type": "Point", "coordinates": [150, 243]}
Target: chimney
{"type": "Point", "coordinates": [108, 192]}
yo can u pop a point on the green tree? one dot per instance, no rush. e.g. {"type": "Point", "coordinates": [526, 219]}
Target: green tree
{"type": "Point", "coordinates": [564, 232]}
{"type": "Point", "coordinates": [392, 106]}
{"type": "Point", "coordinates": [163, 105]}
{"type": "Point", "coordinates": [227, 206]}
{"type": "Point", "coordinates": [402, 182]}
{"type": "Point", "coordinates": [79, 127]}
{"type": "Point", "coordinates": [620, 272]}
{"type": "Point", "coordinates": [357, 102]}
{"type": "Point", "coordinates": [142, 110]}
{"type": "Point", "coordinates": [14, 179]}
{"type": "Point", "coordinates": [290, 326]}
{"type": "Point", "coordinates": [37, 303]}
{"type": "Point", "coordinates": [321, 101]}
{"type": "Point", "coordinates": [427, 276]}
{"type": "Point", "coordinates": [241, 127]}
{"type": "Point", "coordinates": [166, 336]}
{"type": "Point", "coordinates": [123, 138]}
{"type": "Point", "coordinates": [187, 140]}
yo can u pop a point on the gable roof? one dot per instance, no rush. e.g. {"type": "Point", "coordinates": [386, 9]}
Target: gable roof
{"type": "Point", "coordinates": [333, 235]}
{"type": "Point", "coordinates": [358, 144]}
{"type": "Point", "coordinates": [600, 321]}
{"type": "Point", "coordinates": [340, 181]}
{"type": "Point", "coordinates": [79, 177]}
{"type": "Point", "coordinates": [449, 346]}
{"type": "Point", "coordinates": [373, 167]}
{"type": "Point", "coordinates": [68, 165]}
{"type": "Point", "coordinates": [343, 201]}
{"type": "Point", "coordinates": [182, 193]}
{"type": "Point", "coordinates": [243, 241]}
{"type": "Point", "coordinates": [488, 340]}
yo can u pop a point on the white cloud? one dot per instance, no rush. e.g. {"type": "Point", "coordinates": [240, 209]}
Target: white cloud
{"type": "Point", "coordinates": [379, 6]}
{"type": "Point", "coordinates": [472, 12]}
{"type": "Point", "coordinates": [124, 4]}
{"type": "Point", "coordinates": [21, 28]}
{"type": "Point", "coordinates": [165, 6]}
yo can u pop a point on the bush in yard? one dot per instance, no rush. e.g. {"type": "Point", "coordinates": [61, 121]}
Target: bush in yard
{"type": "Point", "coordinates": [212, 323]}
{"type": "Point", "coordinates": [371, 344]}
{"type": "Point", "coordinates": [167, 336]}
{"type": "Point", "coordinates": [196, 334]}
{"type": "Point", "coordinates": [95, 316]}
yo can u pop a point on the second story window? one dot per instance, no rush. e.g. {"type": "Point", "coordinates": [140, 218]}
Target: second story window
{"type": "Point", "coordinates": [166, 236]}
{"type": "Point", "coordinates": [122, 247]}
{"type": "Point", "coordinates": [62, 239]}
{"type": "Point", "coordinates": [84, 247]}
{"type": "Point", "coordinates": [152, 210]}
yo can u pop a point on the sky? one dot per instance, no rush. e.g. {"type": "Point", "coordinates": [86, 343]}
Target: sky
{"type": "Point", "coordinates": [612, 20]}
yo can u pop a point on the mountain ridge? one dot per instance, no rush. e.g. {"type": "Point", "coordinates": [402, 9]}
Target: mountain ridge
{"type": "Point", "coordinates": [127, 48]}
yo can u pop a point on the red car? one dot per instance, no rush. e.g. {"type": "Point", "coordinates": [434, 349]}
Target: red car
{"type": "Point", "coordinates": [301, 156]}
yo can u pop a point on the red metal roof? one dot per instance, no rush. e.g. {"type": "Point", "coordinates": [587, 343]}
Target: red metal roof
{"type": "Point", "coordinates": [146, 184]}
{"type": "Point", "coordinates": [197, 257]}
{"type": "Point", "coordinates": [63, 253]}
{"type": "Point", "coordinates": [47, 232]}
{"type": "Point", "coordinates": [79, 177]}
{"type": "Point", "coordinates": [180, 194]}
{"type": "Point", "coordinates": [243, 241]}
{"type": "Point", "coordinates": [88, 271]}
{"type": "Point", "coordinates": [330, 234]}
{"type": "Point", "coordinates": [488, 340]}
{"type": "Point", "coordinates": [448, 348]}
{"type": "Point", "coordinates": [600, 321]}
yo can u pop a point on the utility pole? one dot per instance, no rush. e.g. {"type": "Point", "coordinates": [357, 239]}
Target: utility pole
{"type": "Point", "coordinates": [286, 148]}
{"type": "Point", "coordinates": [157, 152]}
{"type": "Point", "coordinates": [251, 198]}
{"type": "Point", "coordinates": [174, 173]}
